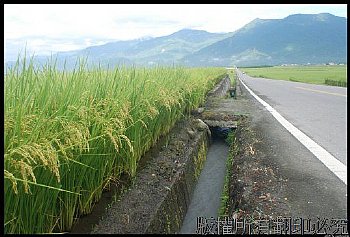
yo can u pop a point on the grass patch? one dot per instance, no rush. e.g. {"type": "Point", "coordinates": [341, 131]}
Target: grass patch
{"type": "Point", "coordinates": [224, 208]}
{"type": "Point", "coordinates": [335, 83]}
{"type": "Point", "coordinates": [232, 75]}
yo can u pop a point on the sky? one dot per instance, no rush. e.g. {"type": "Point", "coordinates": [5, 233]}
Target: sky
{"type": "Point", "coordinates": [49, 28]}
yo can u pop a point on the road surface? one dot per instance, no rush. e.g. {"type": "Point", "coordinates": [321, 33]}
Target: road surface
{"type": "Point", "coordinates": [317, 110]}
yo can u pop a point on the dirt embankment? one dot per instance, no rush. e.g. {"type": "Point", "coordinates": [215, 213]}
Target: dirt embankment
{"type": "Point", "coordinates": [158, 199]}
{"type": "Point", "coordinates": [256, 187]}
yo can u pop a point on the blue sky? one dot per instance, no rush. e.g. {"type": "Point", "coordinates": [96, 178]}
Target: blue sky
{"type": "Point", "coordinates": [49, 28]}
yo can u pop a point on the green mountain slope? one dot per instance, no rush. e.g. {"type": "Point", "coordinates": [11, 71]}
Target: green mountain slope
{"type": "Point", "coordinates": [300, 38]}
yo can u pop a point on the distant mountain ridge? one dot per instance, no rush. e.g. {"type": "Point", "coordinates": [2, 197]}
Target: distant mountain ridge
{"type": "Point", "coordinates": [299, 38]}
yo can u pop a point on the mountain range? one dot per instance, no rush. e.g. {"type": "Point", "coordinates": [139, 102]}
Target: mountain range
{"type": "Point", "coordinates": [296, 39]}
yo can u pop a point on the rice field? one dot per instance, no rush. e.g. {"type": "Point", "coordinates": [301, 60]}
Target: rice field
{"type": "Point", "coordinates": [327, 74]}
{"type": "Point", "coordinates": [69, 134]}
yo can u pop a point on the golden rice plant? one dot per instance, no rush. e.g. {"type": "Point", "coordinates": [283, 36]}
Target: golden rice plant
{"type": "Point", "coordinates": [69, 133]}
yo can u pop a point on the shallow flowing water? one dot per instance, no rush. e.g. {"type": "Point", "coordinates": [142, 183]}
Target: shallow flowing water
{"type": "Point", "coordinates": [206, 197]}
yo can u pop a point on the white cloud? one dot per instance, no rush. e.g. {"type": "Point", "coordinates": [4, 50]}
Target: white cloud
{"type": "Point", "coordinates": [83, 25]}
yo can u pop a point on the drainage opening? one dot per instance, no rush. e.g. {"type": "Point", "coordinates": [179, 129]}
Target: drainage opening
{"type": "Point", "coordinates": [220, 133]}
{"type": "Point", "coordinates": [220, 129]}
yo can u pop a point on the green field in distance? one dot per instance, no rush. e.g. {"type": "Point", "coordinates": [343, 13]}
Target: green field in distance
{"type": "Point", "coordinates": [307, 74]}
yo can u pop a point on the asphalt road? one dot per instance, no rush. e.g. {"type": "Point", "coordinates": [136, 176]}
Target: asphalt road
{"type": "Point", "coordinates": [317, 110]}
{"type": "Point", "coordinates": [311, 189]}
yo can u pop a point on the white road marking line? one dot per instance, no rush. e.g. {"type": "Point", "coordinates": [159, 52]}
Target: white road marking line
{"type": "Point", "coordinates": [338, 168]}
{"type": "Point", "coordinates": [318, 91]}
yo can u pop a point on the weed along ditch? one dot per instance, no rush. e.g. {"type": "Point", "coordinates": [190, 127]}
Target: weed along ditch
{"type": "Point", "coordinates": [181, 178]}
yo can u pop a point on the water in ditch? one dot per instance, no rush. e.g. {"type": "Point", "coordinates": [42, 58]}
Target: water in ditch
{"type": "Point", "coordinates": [206, 197]}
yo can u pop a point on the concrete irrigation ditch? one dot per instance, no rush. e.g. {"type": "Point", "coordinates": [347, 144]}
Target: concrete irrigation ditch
{"type": "Point", "coordinates": [161, 194]}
